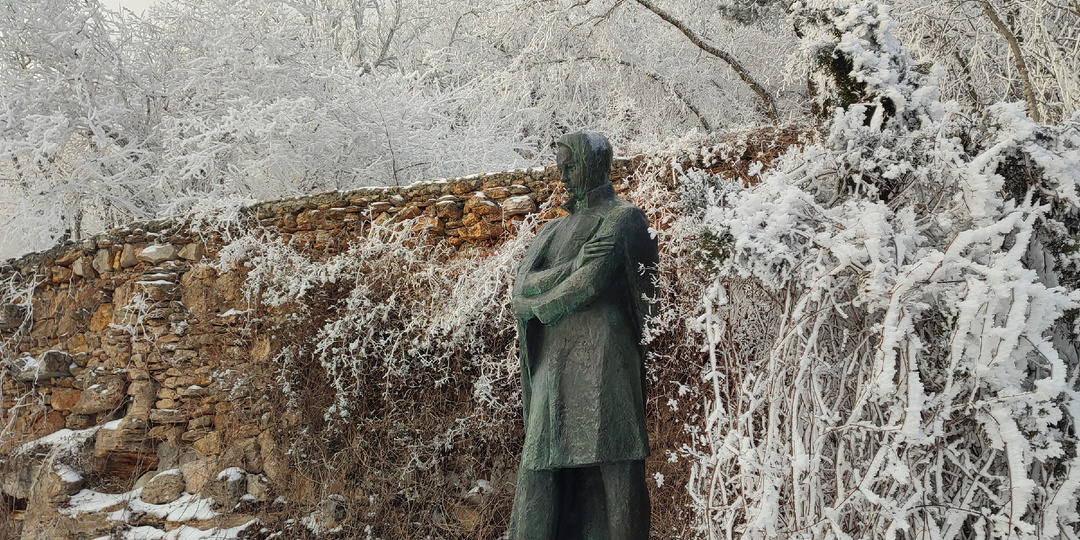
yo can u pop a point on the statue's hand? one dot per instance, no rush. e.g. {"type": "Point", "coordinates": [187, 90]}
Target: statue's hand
{"type": "Point", "coordinates": [542, 281]}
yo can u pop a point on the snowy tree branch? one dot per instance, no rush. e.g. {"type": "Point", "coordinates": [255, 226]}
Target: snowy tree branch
{"type": "Point", "coordinates": [743, 73]}
{"type": "Point", "coordinates": [1018, 56]}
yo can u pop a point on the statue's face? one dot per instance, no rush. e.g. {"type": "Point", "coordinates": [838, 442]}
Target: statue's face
{"type": "Point", "coordinates": [573, 172]}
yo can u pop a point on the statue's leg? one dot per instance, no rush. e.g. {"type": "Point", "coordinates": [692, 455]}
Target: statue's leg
{"type": "Point", "coordinates": [628, 506]}
{"type": "Point", "coordinates": [535, 513]}
{"type": "Point", "coordinates": [584, 515]}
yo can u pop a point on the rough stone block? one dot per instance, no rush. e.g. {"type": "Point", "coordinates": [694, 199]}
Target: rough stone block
{"type": "Point", "coordinates": [482, 231]}
{"type": "Point", "coordinates": [227, 488]}
{"type": "Point", "coordinates": [127, 256]}
{"type": "Point", "coordinates": [448, 209]}
{"type": "Point", "coordinates": [522, 204]}
{"type": "Point", "coordinates": [50, 365]}
{"type": "Point", "coordinates": [258, 486]}
{"type": "Point", "coordinates": [481, 205]}
{"type": "Point", "coordinates": [165, 487]}
{"type": "Point", "coordinates": [244, 454]}
{"type": "Point", "coordinates": [168, 416]}
{"type": "Point", "coordinates": [497, 192]}
{"type": "Point", "coordinates": [78, 421]}
{"type": "Point", "coordinates": [196, 474]}
{"type": "Point", "coordinates": [84, 267]}
{"type": "Point", "coordinates": [143, 394]}
{"type": "Point", "coordinates": [193, 252]}
{"type": "Point", "coordinates": [61, 274]}
{"type": "Point", "coordinates": [102, 318]}
{"type": "Point", "coordinates": [124, 450]}
{"type": "Point", "coordinates": [64, 399]}
{"type": "Point", "coordinates": [11, 317]}
{"type": "Point", "coordinates": [106, 394]}
{"type": "Point", "coordinates": [102, 261]}
{"type": "Point", "coordinates": [429, 224]}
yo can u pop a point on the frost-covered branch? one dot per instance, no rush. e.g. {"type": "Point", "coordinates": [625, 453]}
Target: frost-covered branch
{"type": "Point", "coordinates": [766, 98]}
{"type": "Point", "coordinates": [1018, 57]}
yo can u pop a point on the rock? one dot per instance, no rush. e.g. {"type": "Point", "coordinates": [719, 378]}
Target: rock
{"type": "Point", "coordinates": [68, 257]}
{"type": "Point", "coordinates": [446, 209]}
{"type": "Point", "coordinates": [497, 192]}
{"type": "Point", "coordinates": [58, 484]}
{"type": "Point", "coordinates": [168, 416]}
{"type": "Point", "coordinates": [158, 254]}
{"type": "Point", "coordinates": [210, 445]}
{"type": "Point", "coordinates": [19, 476]}
{"type": "Point", "coordinates": [78, 345]}
{"type": "Point", "coordinates": [192, 390]}
{"type": "Point", "coordinates": [11, 317]}
{"type": "Point", "coordinates": [144, 479]}
{"type": "Point", "coordinates": [515, 206]}
{"type": "Point", "coordinates": [64, 399]}
{"type": "Point", "coordinates": [308, 220]}
{"type": "Point", "coordinates": [51, 365]}
{"type": "Point", "coordinates": [165, 432]}
{"type": "Point", "coordinates": [165, 487]}
{"type": "Point", "coordinates": [429, 224]}
{"type": "Point", "coordinates": [49, 481]}
{"type": "Point", "coordinates": [123, 449]}
{"type": "Point", "coordinates": [78, 421]}
{"type": "Point", "coordinates": [143, 397]}
{"type": "Point", "coordinates": [127, 256]}
{"type": "Point", "coordinates": [244, 454]}
{"type": "Point", "coordinates": [102, 261]}
{"type": "Point", "coordinates": [104, 395]}
{"type": "Point", "coordinates": [193, 252]}
{"type": "Point", "coordinates": [193, 435]}
{"type": "Point", "coordinates": [196, 474]}
{"type": "Point", "coordinates": [410, 212]}
{"type": "Point", "coordinates": [227, 488]}
{"type": "Point", "coordinates": [61, 274]}
{"type": "Point", "coordinates": [201, 422]}
{"type": "Point", "coordinates": [481, 231]}
{"type": "Point", "coordinates": [102, 318]}
{"type": "Point", "coordinates": [84, 267]}
{"type": "Point", "coordinates": [258, 486]}
{"type": "Point", "coordinates": [275, 464]}
{"type": "Point", "coordinates": [168, 455]}
{"type": "Point", "coordinates": [481, 205]}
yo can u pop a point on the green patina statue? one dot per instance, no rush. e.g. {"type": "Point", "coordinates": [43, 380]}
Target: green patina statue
{"type": "Point", "coordinates": [580, 305]}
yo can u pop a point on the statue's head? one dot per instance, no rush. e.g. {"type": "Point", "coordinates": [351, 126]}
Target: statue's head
{"type": "Point", "coordinates": [584, 159]}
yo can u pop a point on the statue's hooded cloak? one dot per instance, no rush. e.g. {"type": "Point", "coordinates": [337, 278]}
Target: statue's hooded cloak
{"type": "Point", "coordinates": [582, 356]}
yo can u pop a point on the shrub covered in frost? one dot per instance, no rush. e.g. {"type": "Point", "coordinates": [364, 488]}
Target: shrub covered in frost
{"type": "Point", "coordinates": [920, 380]}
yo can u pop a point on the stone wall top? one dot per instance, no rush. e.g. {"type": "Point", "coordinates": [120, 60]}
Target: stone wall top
{"type": "Point", "coordinates": [469, 211]}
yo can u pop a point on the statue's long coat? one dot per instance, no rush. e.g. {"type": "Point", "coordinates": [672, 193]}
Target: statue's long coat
{"type": "Point", "coordinates": [582, 361]}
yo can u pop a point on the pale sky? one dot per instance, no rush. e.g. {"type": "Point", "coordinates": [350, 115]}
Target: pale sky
{"type": "Point", "coordinates": [134, 5]}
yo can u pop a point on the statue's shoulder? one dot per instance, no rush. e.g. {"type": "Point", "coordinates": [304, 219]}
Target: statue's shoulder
{"type": "Point", "coordinates": [625, 211]}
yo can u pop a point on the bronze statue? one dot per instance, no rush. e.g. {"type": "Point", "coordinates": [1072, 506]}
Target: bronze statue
{"type": "Point", "coordinates": [580, 305]}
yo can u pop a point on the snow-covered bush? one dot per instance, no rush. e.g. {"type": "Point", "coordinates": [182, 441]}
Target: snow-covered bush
{"type": "Point", "coordinates": [918, 266]}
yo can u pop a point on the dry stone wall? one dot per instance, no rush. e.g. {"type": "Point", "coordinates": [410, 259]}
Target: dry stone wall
{"type": "Point", "coordinates": [123, 358]}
